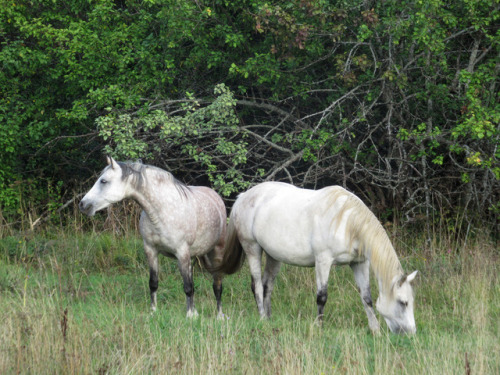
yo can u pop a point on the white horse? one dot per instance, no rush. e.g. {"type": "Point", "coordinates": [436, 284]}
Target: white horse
{"type": "Point", "coordinates": [177, 221]}
{"type": "Point", "coordinates": [317, 228]}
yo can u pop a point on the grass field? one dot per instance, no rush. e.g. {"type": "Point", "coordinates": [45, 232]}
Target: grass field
{"type": "Point", "coordinates": [80, 304]}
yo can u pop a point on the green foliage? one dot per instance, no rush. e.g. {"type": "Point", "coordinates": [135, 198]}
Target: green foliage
{"type": "Point", "coordinates": [215, 124]}
{"type": "Point", "coordinates": [389, 96]}
{"type": "Point", "coordinates": [480, 119]}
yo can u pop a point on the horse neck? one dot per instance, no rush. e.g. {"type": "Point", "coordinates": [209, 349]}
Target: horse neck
{"type": "Point", "coordinates": [157, 193]}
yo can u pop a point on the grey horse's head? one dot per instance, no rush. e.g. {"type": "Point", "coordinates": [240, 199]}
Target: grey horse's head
{"type": "Point", "coordinates": [110, 187]}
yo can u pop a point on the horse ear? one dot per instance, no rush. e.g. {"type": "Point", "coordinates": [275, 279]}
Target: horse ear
{"type": "Point", "coordinates": [111, 162]}
{"type": "Point", "coordinates": [411, 276]}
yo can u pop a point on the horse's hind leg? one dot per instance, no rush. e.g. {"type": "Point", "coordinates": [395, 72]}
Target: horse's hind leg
{"type": "Point", "coordinates": [272, 269]}
{"type": "Point", "coordinates": [211, 259]}
{"type": "Point", "coordinates": [362, 277]}
{"type": "Point", "coordinates": [152, 256]}
{"type": "Point", "coordinates": [186, 269]}
{"type": "Point", "coordinates": [217, 286]}
{"type": "Point", "coordinates": [254, 255]}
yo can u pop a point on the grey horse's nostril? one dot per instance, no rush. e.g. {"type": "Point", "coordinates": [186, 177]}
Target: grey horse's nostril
{"type": "Point", "coordinates": [83, 206]}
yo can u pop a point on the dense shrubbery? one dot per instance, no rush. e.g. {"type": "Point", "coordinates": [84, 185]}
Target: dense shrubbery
{"type": "Point", "coordinates": [398, 101]}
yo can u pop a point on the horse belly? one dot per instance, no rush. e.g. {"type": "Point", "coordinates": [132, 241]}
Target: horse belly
{"type": "Point", "coordinates": [290, 255]}
{"type": "Point", "coordinates": [204, 243]}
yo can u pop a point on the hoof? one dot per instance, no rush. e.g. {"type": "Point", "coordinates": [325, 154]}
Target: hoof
{"type": "Point", "coordinates": [222, 316]}
{"type": "Point", "coordinates": [318, 321]}
{"type": "Point", "coordinates": [375, 329]}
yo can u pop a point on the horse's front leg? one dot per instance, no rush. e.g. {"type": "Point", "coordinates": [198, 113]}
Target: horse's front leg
{"type": "Point", "coordinates": [323, 265]}
{"type": "Point", "coordinates": [185, 266]}
{"type": "Point", "coordinates": [362, 277]}
{"type": "Point", "coordinates": [152, 256]}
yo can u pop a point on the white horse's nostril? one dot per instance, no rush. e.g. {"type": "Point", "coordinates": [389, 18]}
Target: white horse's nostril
{"type": "Point", "coordinates": [84, 207]}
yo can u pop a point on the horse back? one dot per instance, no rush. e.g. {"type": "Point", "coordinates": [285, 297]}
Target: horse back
{"type": "Point", "coordinates": [296, 225]}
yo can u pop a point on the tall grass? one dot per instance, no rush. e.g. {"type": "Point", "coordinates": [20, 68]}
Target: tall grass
{"type": "Point", "coordinates": [79, 304]}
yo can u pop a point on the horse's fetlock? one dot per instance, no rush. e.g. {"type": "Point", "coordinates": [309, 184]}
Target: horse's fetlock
{"type": "Point", "coordinates": [153, 282]}
{"type": "Point", "coordinates": [189, 289]}
{"type": "Point", "coordinates": [368, 300]}
{"type": "Point", "coordinates": [321, 297]}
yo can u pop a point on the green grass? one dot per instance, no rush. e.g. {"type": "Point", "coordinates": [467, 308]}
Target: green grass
{"type": "Point", "coordinates": [80, 304]}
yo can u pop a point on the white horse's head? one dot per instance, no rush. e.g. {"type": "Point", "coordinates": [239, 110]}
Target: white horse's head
{"type": "Point", "coordinates": [109, 188]}
{"type": "Point", "coordinates": [396, 306]}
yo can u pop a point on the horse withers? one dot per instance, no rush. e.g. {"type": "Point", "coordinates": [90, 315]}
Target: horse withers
{"type": "Point", "coordinates": [177, 220]}
{"type": "Point", "coordinates": [318, 229]}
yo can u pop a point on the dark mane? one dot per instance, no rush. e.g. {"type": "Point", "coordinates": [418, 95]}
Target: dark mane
{"type": "Point", "coordinates": [136, 170]}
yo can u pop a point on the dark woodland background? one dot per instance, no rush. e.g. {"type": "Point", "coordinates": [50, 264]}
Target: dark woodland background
{"type": "Point", "coordinates": [395, 100]}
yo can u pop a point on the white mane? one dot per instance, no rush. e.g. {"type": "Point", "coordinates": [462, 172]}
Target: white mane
{"type": "Point", "coordinates": [365, 229]}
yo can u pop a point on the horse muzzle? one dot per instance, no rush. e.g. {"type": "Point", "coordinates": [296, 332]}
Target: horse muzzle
{"type": "Point", "coordinates": [86, 208]}
{"type": "Point", "coordinates": [401, 329]}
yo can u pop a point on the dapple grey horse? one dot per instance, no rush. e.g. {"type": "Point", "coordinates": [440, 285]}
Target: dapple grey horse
{"type": "Point", "coordinates": [177, 221]}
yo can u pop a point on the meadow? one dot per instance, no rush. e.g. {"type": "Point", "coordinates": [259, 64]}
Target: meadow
{"type": "Point", "coordinates": [76, 301]}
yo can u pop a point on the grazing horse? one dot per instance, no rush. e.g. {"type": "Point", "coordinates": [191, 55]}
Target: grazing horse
{"type": "Point", "coordinates": [318, 229]}
{"type": "Point", "coordinates": [177, 221]}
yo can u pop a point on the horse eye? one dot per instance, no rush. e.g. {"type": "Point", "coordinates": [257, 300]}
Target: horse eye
{"type": "Point", "coordinates": [403, 304]}
{"type": "Point", "coordinates": [103, 181]}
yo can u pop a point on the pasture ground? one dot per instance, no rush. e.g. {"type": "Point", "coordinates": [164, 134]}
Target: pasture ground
{"type": "Point", "coordinates": [79, 304]}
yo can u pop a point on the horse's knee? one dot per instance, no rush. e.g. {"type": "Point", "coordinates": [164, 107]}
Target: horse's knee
{"type": "Point", "coordinates": [368, 300]}
{"type": "Point", "coordinates": [189, 288]}
{"type": "Point", "coordinates": [321, 301]}
{"type": "Point", "coordinates": [153, 281]}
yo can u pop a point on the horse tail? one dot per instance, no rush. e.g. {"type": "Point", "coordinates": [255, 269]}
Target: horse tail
{"type": "Point", "coordinates": [234, 256]}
